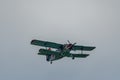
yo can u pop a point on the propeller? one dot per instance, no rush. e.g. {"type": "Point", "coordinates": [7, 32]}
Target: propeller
{"type": "Point", "coordinates": [74, 43]}
{"type": "Point", "coordinates": [71, 43]}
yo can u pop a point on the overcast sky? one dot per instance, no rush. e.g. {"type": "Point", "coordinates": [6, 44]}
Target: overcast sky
{"type": "Point", "coordinates": [87, 22]}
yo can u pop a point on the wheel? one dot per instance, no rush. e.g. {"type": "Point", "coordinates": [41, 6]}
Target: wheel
{"type": "Point", "coordinates": [73, 58]}
{"type": "Point", "coordinates": [50, 62]}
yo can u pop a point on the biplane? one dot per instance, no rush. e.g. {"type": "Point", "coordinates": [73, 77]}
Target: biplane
{"type": "Point", "coordinates": [60, 50]}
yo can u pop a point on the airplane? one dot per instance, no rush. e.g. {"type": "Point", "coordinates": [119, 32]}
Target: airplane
{"type": "Point", "coordinates": [61, 50]}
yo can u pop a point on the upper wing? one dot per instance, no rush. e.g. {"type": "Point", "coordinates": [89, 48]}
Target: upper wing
{"type": "Point", "coordinates": [46, 44]}
{"type": "Point", "coordinates": [84, 48]}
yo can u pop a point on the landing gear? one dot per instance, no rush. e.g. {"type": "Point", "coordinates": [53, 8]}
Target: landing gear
{"type": "Point", "coordinates": [50, 62]}
{"type": "Point", "coordinates": [47, 57]}
{"type": "Point", "coordinates": [73, 57]}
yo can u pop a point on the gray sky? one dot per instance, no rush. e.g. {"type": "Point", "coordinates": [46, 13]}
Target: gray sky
{"type": "Point", "coordinates": [87, 22]}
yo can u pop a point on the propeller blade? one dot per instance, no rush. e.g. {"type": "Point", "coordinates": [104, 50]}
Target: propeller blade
{"type": "Point", "coordinates": [74, 43]}
{"type": "Point", "coordinates": [69, 42]}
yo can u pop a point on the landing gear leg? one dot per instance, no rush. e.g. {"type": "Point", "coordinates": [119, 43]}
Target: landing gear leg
{"type": "Point", "coordinates": [73, 57]}
{"type": "Point", "coordinates": [50, 62]}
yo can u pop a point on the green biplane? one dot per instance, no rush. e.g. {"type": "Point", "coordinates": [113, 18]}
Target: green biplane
{"type": "Point", "coordinates": [61, 50]}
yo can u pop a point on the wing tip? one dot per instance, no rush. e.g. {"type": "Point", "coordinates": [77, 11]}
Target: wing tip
{"type": "Point", "coordinates": [32, 42]}
{"type": "Point", "coordinates": [93, 48]}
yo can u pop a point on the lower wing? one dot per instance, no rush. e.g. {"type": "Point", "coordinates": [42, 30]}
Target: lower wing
{"type": "Point", "coordinates": [78, 55]}
{"type": "Point", "coordinates": [48, 52]}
